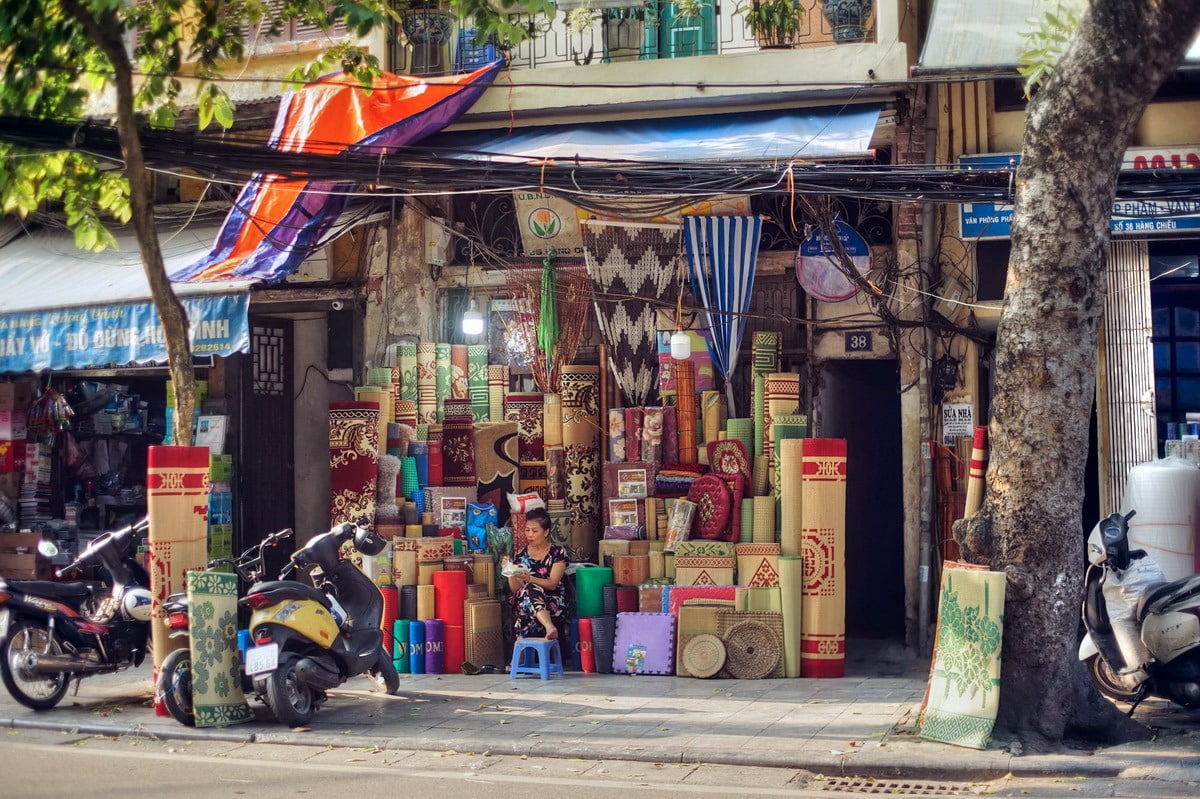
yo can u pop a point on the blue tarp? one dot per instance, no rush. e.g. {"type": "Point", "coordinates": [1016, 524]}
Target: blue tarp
{"type": "Point", "coordinates": [842, 131]}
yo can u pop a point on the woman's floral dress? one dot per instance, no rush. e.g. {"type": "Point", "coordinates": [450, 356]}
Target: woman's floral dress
{"type": "Point", "coordinates": [532, 598]}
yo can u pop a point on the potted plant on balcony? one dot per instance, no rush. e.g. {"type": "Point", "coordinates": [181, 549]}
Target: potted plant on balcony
{"type": "Point", "coordinates": [774, 23]}
{"type": "Point", "coordinates": [849, 19]}
{"type": "Point", "coordinates": [427, 23]}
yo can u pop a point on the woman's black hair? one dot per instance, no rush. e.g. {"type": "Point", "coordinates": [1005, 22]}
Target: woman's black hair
{"type": "Point", "coordinates": [539, 515]}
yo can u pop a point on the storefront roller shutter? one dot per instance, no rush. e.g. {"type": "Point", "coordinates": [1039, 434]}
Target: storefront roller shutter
{"type": "Point", "coordinates": [1125, 372]}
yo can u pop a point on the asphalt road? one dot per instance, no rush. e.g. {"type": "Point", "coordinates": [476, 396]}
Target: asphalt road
{"type": "Point", "coordinates": [43, 764]}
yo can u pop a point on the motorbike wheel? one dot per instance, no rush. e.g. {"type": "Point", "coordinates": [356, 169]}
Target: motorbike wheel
{"type": "Point", "coordinates": [33, 690]}
{"type": "Point", "coordinates": [1109, 684]}
{"type": "Point", "coordinates": [292, 702]}
{"type": "Point", "coordinates": [175, 686]}
{"type": "Point", "coordinates": [384, 675]}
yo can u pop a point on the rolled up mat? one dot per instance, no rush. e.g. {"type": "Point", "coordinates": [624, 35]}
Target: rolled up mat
{"type": "Point", "coordinates": [791, 588]}
{"type": "Point", "coordinates": [400, 654]}
{"type": "Point", "coordinates": [781, 397]}
{"type": "Point", "coordinates": [410, 481]}
{"type": "Point", "coordinates": [604, 631]}
{"type": "Point", "coordinates": [407, 356]}
{"type": "Point", "coordinates": [631, 569]}
{"type": "Point", "coordinates": [391, 612]}
{"type": "Point", "coordinates": [425, 603]}
{"type": "Point", "coordinates": [455, 647]}
{"type": "Point", "coordinates": [216, 700]}
{"type": "Point", "coordinates": [552, 420]}
{"type": "Point", "coordinates": [686, 413]}
{"type": "Point", "coordinates": [477, 381]}
{"type": "Point", "coordinates": [679, 528]}
{"type": "Point", "coordinates": [823, 641]}
{"type": "Point", "coordinates": [408, 602]}
{"type": "Point", "coordinates": [652, 436]}
{"type": "Point", "coordinates": [406, 412]}
{"type": "Point", "coordinates": [742, 429]}
{"type": "Point", "coordinates": [427, 404]}
{"type": "Point", "coordinates": [670, 442]}
{"type": "Point", "coordinates": [416, 647]}
{"type": "Point", "coordinates": [616, 435]}
{"type": "Point", "coordinates": [609, 593]}
{"type": "Point", "coordinates": [587, 647]}
{"type": "Point", "coordinates": [573, 644]}
{"type": "Point", "coordinates": [409, 514]}
{"type": "Point", "coordinates": [746, 533]}
{"type": "Point", "coordinates": [977, 473]}
{"type": "Point", "coordinates": [435, 646]}
{"type": "Point", "coordinates": [790, 522]}
{"type": "Point", "coordinates": [443, 377]}
{"type": "Point", "coordinates": [589, 590]}
{"type": "Point", "coordinates": [382, 398]}
{"type": "Point", "coordinates": [758, 404]}
{"type": "Point", "coordinates": [497, 378]}
{"type": "Point", "coordinates": [556, 473]}
{"type": "Point", "coordinates": [712, 412]}
{"type": "Point", "coordinates": [627, 599]}
{"type": "Point", "coordinates": [437, 470]}
{"type": "Point", "coordinates": [419, 450]}
{"type": "Point", "coordinates": [414, 531]}
{"type": "Point", "coordinates": [764, 519]}
{"type": "Point", "coordinates": [449, 592]}
{"type": "Point", "coordinates": [657, 564]}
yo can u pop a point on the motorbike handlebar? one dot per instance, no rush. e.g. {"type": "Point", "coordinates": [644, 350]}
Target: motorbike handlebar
{"type": "Point", "coordinates": [99, 543]}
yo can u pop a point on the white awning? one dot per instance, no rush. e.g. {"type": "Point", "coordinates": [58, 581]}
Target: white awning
{"type": "Point", "coordinates": [65, 308]}
{"type": "Point", "coordinates": [968, 38]}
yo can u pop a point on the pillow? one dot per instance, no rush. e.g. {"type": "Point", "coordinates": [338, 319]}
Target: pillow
{"type": "Point", "coordinates": [714, 506]}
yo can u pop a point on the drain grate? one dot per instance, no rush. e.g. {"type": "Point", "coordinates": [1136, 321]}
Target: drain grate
{"type": "Point", "coordinates": [894, 787]}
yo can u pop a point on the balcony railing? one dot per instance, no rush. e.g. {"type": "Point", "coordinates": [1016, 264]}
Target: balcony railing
{"type": "Point", "coordinates": [431, 42]}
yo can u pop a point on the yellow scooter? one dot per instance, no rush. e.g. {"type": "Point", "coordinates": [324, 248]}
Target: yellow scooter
{"type": "Point", "coordinates": [309, 639]}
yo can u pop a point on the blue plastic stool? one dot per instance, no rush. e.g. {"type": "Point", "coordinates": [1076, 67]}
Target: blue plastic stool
{"type": "Point", "coordinates": [539, 656]}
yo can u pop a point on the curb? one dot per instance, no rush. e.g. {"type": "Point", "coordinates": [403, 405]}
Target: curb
{"type": "Point", "coordinates": [965, 766]}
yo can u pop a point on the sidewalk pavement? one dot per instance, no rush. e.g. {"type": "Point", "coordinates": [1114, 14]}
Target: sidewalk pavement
{"type": "Point", "coordinates": [862, 725]}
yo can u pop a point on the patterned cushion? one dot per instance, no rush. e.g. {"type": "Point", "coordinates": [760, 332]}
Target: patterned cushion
{"type": "Point", "coordinates": [714, 506]}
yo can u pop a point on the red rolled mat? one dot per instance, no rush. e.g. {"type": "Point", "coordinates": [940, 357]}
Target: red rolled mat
{"type": "Point", "coordinates": [436, 469]}
{"type": "Point", "coordinates": [449, 593]}
{"type": "Point", "coordinates": [627, 599]}
{"type": "Point", "coordinates": [587, 652]}
{"type": "Point", "coordinates": [455, 647]}
{"type": "Point", "coordinates": [391, 612]}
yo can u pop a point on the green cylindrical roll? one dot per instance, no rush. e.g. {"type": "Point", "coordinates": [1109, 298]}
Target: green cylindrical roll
{"type": "Point", "coordinates": [589, 590]}
{"type": "Point", "coordinates": [741, 428]}
{"type": "Point", "coordinates": [408, 476]}
{"type": "Point", "coordinates": [746, 532]}
{"type": "Point", "coordinates": [400, 645]}
{"type": "Point", "coordinates": [791, 586]}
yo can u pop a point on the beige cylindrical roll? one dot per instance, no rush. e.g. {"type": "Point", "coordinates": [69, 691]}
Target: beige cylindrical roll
{"type": "Point", "coordinates": [413, 531]}
{"type": "Point", "coordinates": [764, 519]}
{"type": "Point", "coordinates": [657, 564]}
{"type": "Point", "coordinates": [711, 413]}
{"type": "Point", "coordinates": [425, 602]}
{"type": "Point", "coordinates": [651, 518]}
{"type": "Point", "coordinates": [761, 475]}
{"type": "Point", "coordinates": [425, 572]}
{"type": "Point", "coordinates": [977, 473]}
{"type": "Point", "coordinates": [790, 499]}
{"type": "Point", "coordinates": [552, 424]}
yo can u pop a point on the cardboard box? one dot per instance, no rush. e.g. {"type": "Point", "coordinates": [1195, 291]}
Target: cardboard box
{"type": "Point", "coordinates": [19, 558]}
{"type": "Point", "coordinates": [15, 396]}
{"type": "Point", "coordinates": [12, 425]}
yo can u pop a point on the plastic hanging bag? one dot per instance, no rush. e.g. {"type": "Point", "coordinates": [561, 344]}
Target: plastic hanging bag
{"type": "Point", "coordinates": [480, 516]}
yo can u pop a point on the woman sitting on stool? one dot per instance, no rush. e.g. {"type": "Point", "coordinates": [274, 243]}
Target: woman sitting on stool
{"type": "Point", "coordinates": [539, 595]}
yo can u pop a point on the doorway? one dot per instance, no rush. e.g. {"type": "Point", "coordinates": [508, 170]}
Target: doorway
{"type": "Point", "coordinates": [860, 402]}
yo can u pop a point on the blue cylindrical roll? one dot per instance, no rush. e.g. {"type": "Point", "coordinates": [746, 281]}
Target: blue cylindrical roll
{"type": "Point", "coordinates": [576, 654]}
{"type": "Point", "coordinates": [400, 633]}
{"type": "Point", "coordinates": [419, 500]}
{"type": "Point", "coordinates": [416, 647]}
{"type": "Point", "coordinates": [408, 601]}
{"type": "Point", "coordinates": [420, 454]}
{"type": "Point", "coordinates": [435, 646]}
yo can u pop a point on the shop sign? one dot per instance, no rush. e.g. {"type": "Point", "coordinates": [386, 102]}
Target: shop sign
{"type": "Point", "coordinates": [818, 272]}
{"type": "Point", "coordinates": [550, 225]}
{"type": "Point", "coordinates": [72, 338]}
{"type": "Point", "coordinates": [958, 420]}
{"type": "Point", "coordinates": [994, 220]}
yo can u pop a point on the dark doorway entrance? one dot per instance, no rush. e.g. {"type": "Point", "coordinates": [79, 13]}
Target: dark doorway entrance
{"type": "Point", "coordinates": [860, 402]}
{"type": "Point", "coordinates": [265, 498]}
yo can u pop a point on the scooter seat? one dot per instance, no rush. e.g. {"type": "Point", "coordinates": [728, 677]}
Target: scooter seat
{"type": "Point", "coordinates": [282, 590]}
{"type": "Point", "coordinates": [52, 590]}
{"type": "Point", "coordinates": [1164, 594]}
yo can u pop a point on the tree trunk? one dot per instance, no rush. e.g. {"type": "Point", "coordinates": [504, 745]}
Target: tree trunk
{"type": "Point", "coordinates": [1076, 131]}
{"type": "Point", "coordinates": [108, 35]}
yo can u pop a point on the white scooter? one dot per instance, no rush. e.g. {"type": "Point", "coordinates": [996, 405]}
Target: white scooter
{"type": "Point", "coordinates": [1143, 633]}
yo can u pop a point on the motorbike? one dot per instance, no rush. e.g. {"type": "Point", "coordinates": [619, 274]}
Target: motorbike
{"type": "Point", "coordinates": [310, 639]}
{"type": "Point", "coordinates": [174, 685]}
{"type": "Point", "coordinates": [51, 632]}
{"type": "Point", "coordinates": [1142, 633]}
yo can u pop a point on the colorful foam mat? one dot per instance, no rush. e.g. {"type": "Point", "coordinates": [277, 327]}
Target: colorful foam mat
{"type": "Point", "coordinates": [644, 643]}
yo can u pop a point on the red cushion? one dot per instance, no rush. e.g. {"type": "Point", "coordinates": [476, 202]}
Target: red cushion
{"type": "Point", "coordinates": [714, 507]}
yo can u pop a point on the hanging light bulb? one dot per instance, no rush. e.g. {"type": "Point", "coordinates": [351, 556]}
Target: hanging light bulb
{"type": "Point", "coordinates": [472, 320]}
{"type": "Point", "coordinates": [681, 345]}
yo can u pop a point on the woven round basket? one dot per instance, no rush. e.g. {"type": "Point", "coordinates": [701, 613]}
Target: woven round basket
{"type": "Point", "coordinates": [752, 651]}
{"type": "Point", "coordinates": [704, 655]}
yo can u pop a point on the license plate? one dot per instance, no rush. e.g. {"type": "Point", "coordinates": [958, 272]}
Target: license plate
{"type": "Point", "coordinates": [261, 659]}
